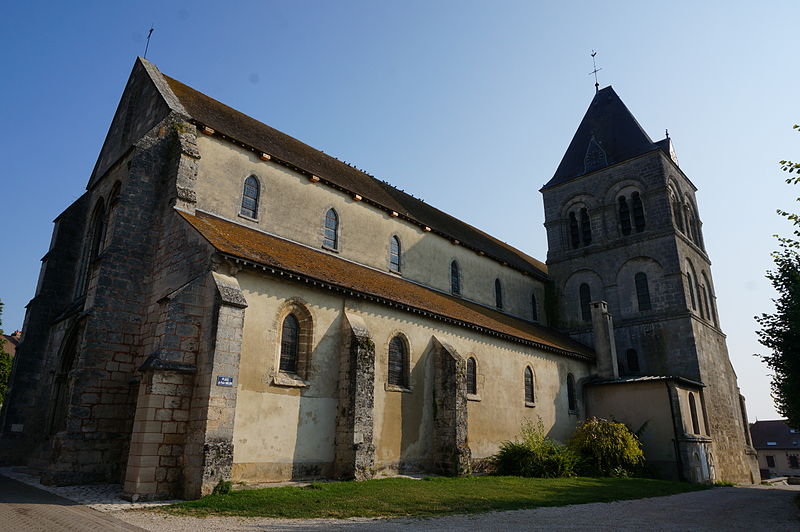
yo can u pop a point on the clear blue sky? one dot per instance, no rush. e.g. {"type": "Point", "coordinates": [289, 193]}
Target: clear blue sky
{"type": "Point", "coordinates": [469, 105]}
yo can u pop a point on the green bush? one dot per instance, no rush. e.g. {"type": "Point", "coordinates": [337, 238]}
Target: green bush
{"type": "Point", "coordinates": [606, 448]}
{"type": "Point", "coordinates": [223, 487]}
{"type": "Point", "coordinates": [534, 455]}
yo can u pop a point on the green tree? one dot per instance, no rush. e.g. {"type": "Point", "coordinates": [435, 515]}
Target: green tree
{"type": "Point", "coordinates": [5, 361]}
{"type": "Point", "coordinates": [780, 331]}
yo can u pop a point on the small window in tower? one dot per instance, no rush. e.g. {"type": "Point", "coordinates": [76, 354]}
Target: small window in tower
{"type": "Point", "coordinates": [693, 412]}
{"type": "Point", "coordinates": [638, 212]}
{"type": "Point", "coordinates": [585, 302]}
{"type": "Point", "coordinates": [677, 213]}
{"type": "Point", "coordinates": [331, 232]}
{"type": "Point", "coordinates": [574, 234]}
{"type": "Point", "coordinates": [455, 279]}
{"type": "Point", "coordinates": [398, 361]}
{"type": "Point", "coordinates": [534, 308]}
{"type": "Point", "coordinates": [498, 294]}
{"type": "Point", "coordinates": [250, 196]}
{"type": "Point", "coordinates": [770, 461]}
{"type": "Point", "coordinates": [529, 386]}
{"type": "Point", "coordinates": [793, 461]}
{"type": "Point", "coordinates": [472, 376]}
{"type": "Point", "coordinates": [642, 291]}
{"type": "Point", "coordinates": [394, 254]}
{"type": "Point", "coordinates": [691, 290]}
{"type": "Point", "coordinates": [586, 227]}
{"type": "Point", "coordinates": [624, 215]}
{"type": "Point", "coordinates": [572, 400]}
{"type": "Point", "coordinates": [632, 359]}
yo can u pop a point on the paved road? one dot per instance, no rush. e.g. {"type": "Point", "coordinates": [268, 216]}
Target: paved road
{"type": "Point", "coordinates": [751, 509]}
{"type": "Point", "coordinates": [24, 508]}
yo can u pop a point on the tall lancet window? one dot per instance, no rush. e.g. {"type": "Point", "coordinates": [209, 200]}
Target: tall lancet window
{"type": "Point", "coordinates": [330, 237]}
{"type": "Point", "coordinates": [624, 215]}
{"type": "Point", "coordinates": [498, 294]}
{"type": "Point", "coordinates": [586, 227]}
{"type": "Point", "coordinates": [394, 254]}
{"type": "Point", "coordinates": [250, 196]}
{"type": "Point", "coordinates": [455, 279]}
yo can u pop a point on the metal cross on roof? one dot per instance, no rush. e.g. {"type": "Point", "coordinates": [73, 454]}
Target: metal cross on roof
{"type": "Point", "coordinates": [595, 71]}
{"type": "Point", "coordinates": [149, 33]}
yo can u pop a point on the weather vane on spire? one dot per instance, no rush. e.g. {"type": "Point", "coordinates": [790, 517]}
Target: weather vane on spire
{"type": "Point", "coordinates": [595, 71]}
{"type": "Point", "coordinates": [146, 46]}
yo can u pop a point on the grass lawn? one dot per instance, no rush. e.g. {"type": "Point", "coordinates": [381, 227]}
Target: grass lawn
{"type": "Point", "coordinates": [395, 497]}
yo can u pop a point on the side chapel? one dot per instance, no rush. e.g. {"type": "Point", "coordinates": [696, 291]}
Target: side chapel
{"type": "Point", "coordinates": [225, 302]}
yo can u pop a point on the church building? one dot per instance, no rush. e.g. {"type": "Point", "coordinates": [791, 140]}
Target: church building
{"type": "Point", "coordinates": [225, 302]}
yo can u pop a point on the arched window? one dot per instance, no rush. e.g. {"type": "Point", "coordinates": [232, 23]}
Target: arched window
{"type": "Point", "coordinates": [250, 195]}
{"type": "Point", "coordinates": [586, 227]}
{"type": "Point", "coordinates": [692, 297]}
{"type": "Point", "coordinates": [331, 234]}
{"type": "Point", "coordinates": [394, 254]}
{"type": "Point", "coordinates": [290, 344]}
{"type": "Point", "coordinates": [677, 211]}
{"type": "Point", "coordinates": [642, 291]}
{"type": "Point", "coordinates": [530, 395]}
{"type": "Point", "coordinates": [574, 233]}
{"type": "Point", "coordinates": [712, 308]}
{"type": "Point", "coordinates": [455, 279]}
{"type": "Point", "coordinates": [398, 361]}
{"type": "Point", "coordinates": [498, 294]}
{"type": "Point", "coordinates": [472, 376]}
{"type": "Point", "coordinates": [572, 399]}
{"type": "Point", "coordinates": [93, 245]}
{"type": "Point", "coordinates": [703, 294]}
{"type": "Point", "coordinates": [693, 412]}
{"type": "Point", "coordinates": [632, 359]}
{"type": "Point", "coordinates": [585, 302]}
{"type": "Point", "coordinates": [534, 307]}
{"type": "Point", "coordinates": [638, 212]}
{"type": "Point", "coordinates": [624, 215]}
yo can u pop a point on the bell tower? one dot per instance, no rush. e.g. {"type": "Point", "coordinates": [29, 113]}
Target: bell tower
{"type": "Point", "coordinates": [623, 227]}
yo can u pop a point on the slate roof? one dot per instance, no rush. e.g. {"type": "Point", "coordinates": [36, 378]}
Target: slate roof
{"type": "Point", "coordinates": [647, 378]}
{"type": "Point", "coordinates": [612, 126]}
{"type": "Point", "coordinates": [284, 257]}
{"type": "Point", "coordinates": [247, 130]}
{"type": "Point", "coordinates": [777, 431]}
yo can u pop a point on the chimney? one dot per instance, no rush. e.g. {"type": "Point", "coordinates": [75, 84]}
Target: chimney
{"type": "Point", "coordinates": [604, 345]}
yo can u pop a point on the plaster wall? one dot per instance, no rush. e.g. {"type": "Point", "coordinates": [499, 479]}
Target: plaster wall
{"type": "Point", "coordinates": [284, 432]}
{"type": "Point", "coordinates": [297, 212]}
{"type": "Point", "coordinates": [782, 467]}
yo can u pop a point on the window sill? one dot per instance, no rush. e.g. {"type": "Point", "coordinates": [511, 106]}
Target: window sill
{"type": "Point", "coordinates": [289, 380]}
{"type": "Point", "coordinates": [473, 397]}
{"type": "Point", "coordinates": [529, 404]}
{"type": "Point", "coordinates": [328, 248]}
{"type": "Point", "coordinates": [395, 388]}
{"type": "Point", "coordinates": [249, 219]}
{"type": "Point", "coordinates": [394, 272]}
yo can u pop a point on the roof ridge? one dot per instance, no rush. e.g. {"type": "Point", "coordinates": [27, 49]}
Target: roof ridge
{"type": "Point", "coordinates": [381, 192]}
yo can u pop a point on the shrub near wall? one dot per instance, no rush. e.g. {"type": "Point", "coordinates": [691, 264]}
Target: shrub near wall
{"type": "Point", "coordinates": [606, 448]}
{"type": "Point", "coordinates": [534, 455]}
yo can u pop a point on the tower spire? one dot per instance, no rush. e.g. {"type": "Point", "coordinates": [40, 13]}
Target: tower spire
{"type": "Point", "coordinates": [595, 71]}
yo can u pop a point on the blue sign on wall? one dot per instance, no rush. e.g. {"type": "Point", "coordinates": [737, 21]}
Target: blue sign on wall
{"type": "Point", "coordinates": [224, 381]}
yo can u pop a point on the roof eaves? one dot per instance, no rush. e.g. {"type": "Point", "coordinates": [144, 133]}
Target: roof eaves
{"type": "Point", "coordinates": [296, 276]}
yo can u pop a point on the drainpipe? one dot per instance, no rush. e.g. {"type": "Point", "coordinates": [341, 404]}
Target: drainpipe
{"type": "Point", "coordinates": [678, 461]}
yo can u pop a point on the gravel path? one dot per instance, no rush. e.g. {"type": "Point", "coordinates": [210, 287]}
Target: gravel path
{"type": "Point", "coordinates": [752, 508]}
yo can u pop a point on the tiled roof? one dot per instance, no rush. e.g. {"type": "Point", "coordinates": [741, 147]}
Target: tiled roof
{"type": "Point", "coordinates": [251, 132]}
{"type": "Point", "coordinates": [774, 434]}
{"type": "Point", "coordinates": [612, 131]}
{"type": "Point", "coordinates": [285, 257]}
